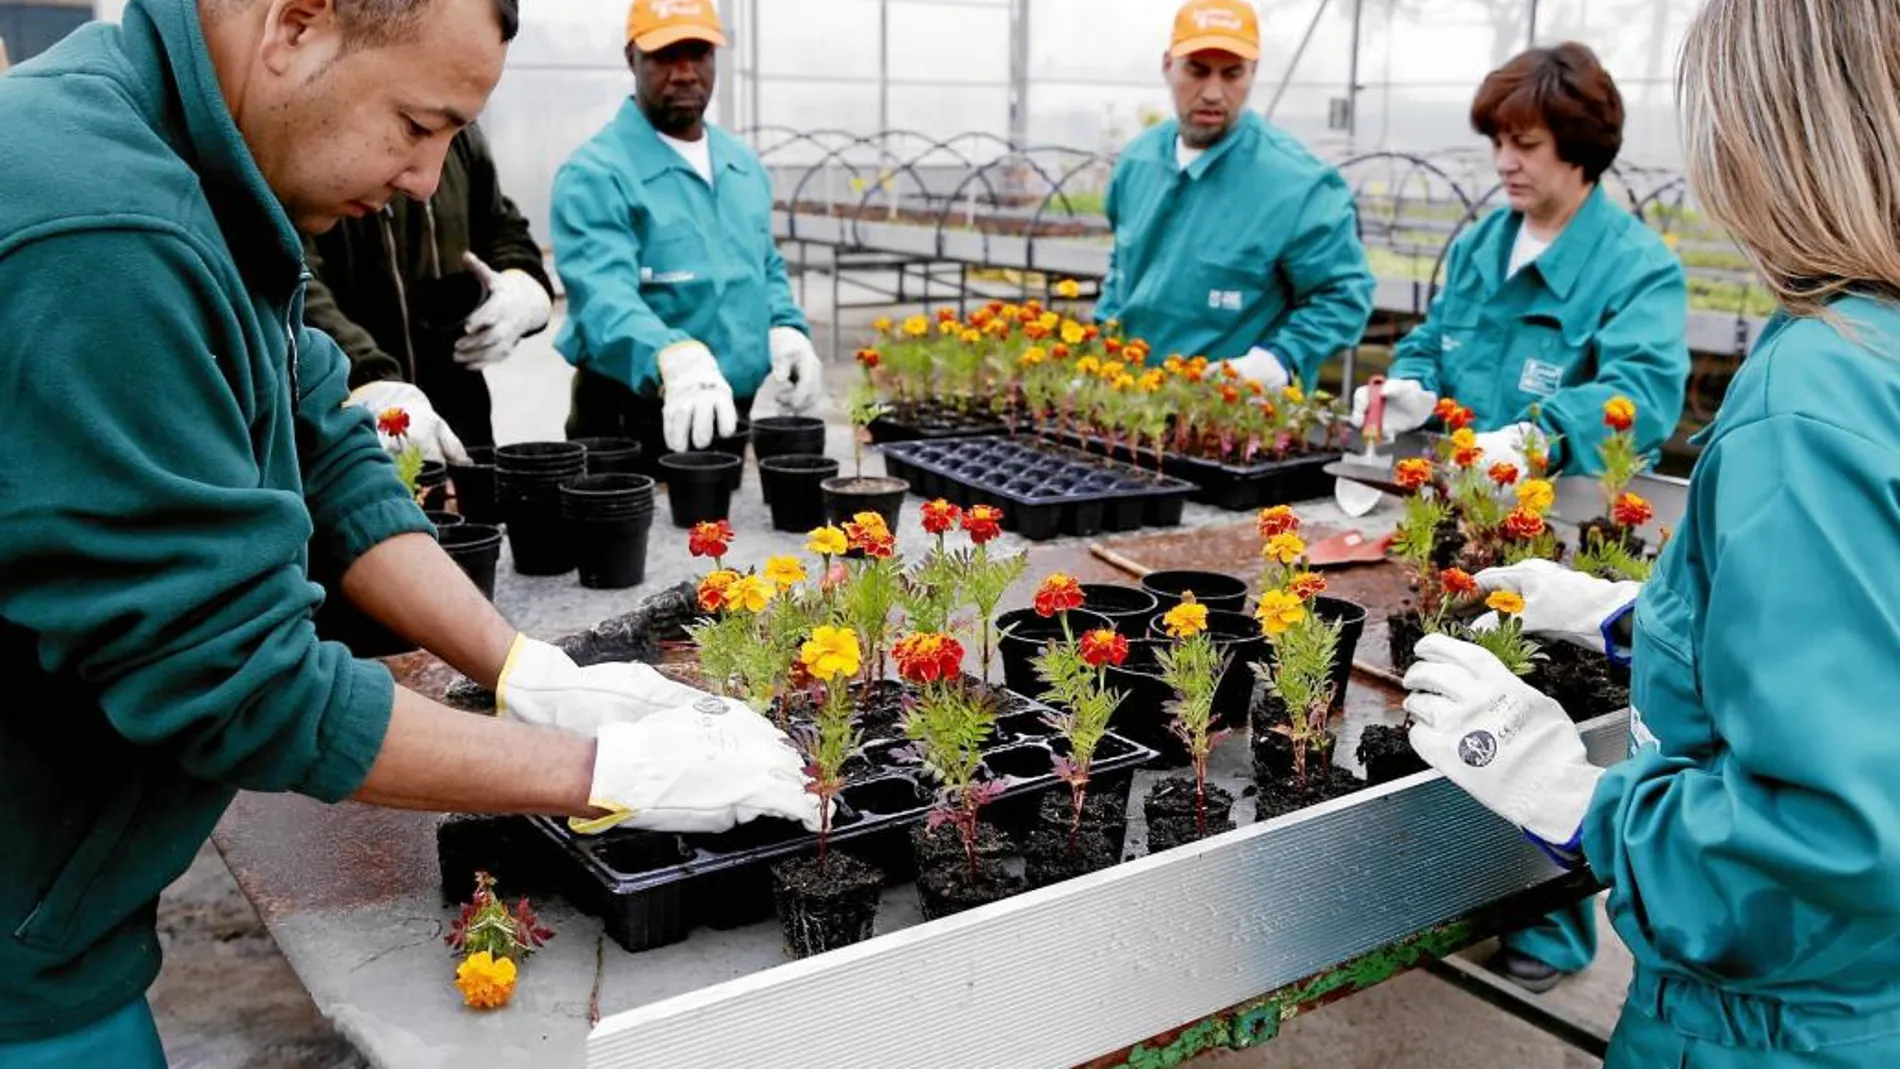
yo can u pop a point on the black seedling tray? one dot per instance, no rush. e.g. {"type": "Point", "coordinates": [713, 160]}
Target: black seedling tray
{"type": "Point", "coordinates": [1043, 488]}
{"type": "Point", "coordinates": [1235, 487]}
{"type": "Point", "coordinates": [935, 422]}
{"type": "Point", "coordinates": [652, 889]}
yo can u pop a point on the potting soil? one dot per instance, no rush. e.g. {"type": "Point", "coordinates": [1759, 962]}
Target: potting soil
{"type": "Point", "coordinates": [953, 888]}
{"type": "Point", "coordinates": [824, 907]}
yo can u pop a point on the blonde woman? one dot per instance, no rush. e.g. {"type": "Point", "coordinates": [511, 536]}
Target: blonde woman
{"type": "Point", "coordinates": [1751, 841]}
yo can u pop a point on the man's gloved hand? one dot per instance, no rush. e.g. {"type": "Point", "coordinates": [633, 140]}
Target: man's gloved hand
{"type": "Point", "coordinates": [796, 367]}
{"type": "Point", "coordinates": [1408, 405]}
{"type": "Point", "coordinates": [427, 431]}
{"type": "Point", "coordinates": [542, 685]}
{"type": "Point", "coordinates": [1260, 366]}
{"type": "Point", "coordinates": [1508, 746]}
{"type": "Point", "coordinates": [516, 306]}
{"type": "Point", "coordinates": [1508, 445]}
{"type": "Point", "coordinates": [1559, 603]}
{"type": "Point", "coordinates": [698, 768]}
{"type": "Point", "coordinates": [697, 399]}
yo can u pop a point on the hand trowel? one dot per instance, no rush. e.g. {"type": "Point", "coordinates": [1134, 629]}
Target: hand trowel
{"type": "Point", "coordinates": [1360, 476]}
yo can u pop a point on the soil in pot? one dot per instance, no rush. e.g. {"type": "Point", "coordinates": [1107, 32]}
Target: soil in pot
{"type": "Point", "coordinates": [952, 889]}
{"type": "Point", "coordinates": [823, 907]}
{"type": "Point", "coordinates": [942, 847]}
{"type": "Point", "coordinates": [1585, 683]}
{"type": "Point", "coordinates": [611, 456]}
{"type": "Point", "coordinates": [1223, 593]}
{"type": "Point", "coordinates": [847, 495]}
{"type": "Point", "coordinates": [699, 486]}
{"type": "Point", "coordinates": [475, 548]}
{"type": "Point", "coordinates": [1280, 791]}
{"type": "Point", "coordinates": [609, 517]}
{"type": "Point", "coordinates": [1052, 855]}
{"type": "Point", "coordinates": [793, 487]}
{"type": "Point", "coordinates": [474, 485]}
{"type": "Point", "coordinates": [1021, 634]}
{"type": "Point", "coordinates": [1387, 754]}
{"type": "Point", "coordinates": [1173, 818]}
{"type": "Point", "coordinates": [1104, 810]}
{"type": "Point", "coordinates": [528, 478]}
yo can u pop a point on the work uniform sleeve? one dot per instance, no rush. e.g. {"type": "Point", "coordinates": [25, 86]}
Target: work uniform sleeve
{"type": "Point", "coordinates": [1762, 863]}
{"type": "Point", "coordinates": [137, 542]}
{"type": "Point", "coordinates": [1113, 296]}
{"type": "Point", "coordinates": [1643, 354]}
{"type": "Point", "coordinates": [1417, 354]}
{"type": "Point", "coordinates": [368, 362]}
{"type": "Point", "coordinates": [598, 256]}
{"type": "Point", "coordinates": [355, 497]}
{"type": "Point", "coordinates": [1329, 283]}
{"type": "Point", "coordinates": [497, 229]}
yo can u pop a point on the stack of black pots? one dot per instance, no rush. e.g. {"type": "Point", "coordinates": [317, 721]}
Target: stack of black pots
{"type": "Point", "coordinates": [792, 470]}
{"type": "Point", "coordinates": [608, 518]}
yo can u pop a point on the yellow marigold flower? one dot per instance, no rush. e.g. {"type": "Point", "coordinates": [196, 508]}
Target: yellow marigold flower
{"type": "Point", "coordinates": [1072, 332]}
{"type": "Point", "coordinates": [997, 328]}
{"type": "Point", "coordinates": [1293, 393]}
{"type": "Point", "coordinates": [830, 653]}
{"type": "Point", "coordinates": [1152, 380]}
{"type": "Point", "coordinates": [1048, 321]}
{"type": "Point", "coordinates": [917, 326]}
{"type": "Point", "coordinates": [1506, 602]}
{"type": "Point", "coordinates": [1285, 547]}
{"type": "Point", "coordinates": [1619, 413]}
{"type": "Point", "coordinates": [1279, 610]}
{"type": "Point", "coordinates": [1113, 368]}
{"type": "Point", "coordinates": [1088, 365]}
{"type": "Point", "coordinates": [1464, 438]}
{"type": "Point", "coordinates": [871, 523]}
{"type": "Point", "coordinates": [949, 327]}
{"type": "Point", "coordinates": [1174, 365]}
{"type": "Point", "coordinates": [1068, 289]}
{"type": "Point", "coordinates": [882, 324]}
{"type": "Point", "coordinates": [971, 337]}
{"type": "Point", "coordinates": [1186, 619]}
{"type": "Point", "coordinates": [485, 981]}
{"type": "Point", "coordinates": [784, 572]}
{"type": "Point", "coordinates": [751, 593]}
{"type": "Point", "coordinates": [1123, 381]}
{"type": "Point", "coordinates": [827, 542]}
{"type": "Point", "coordinates": [1032, 356]}
{"type": "Point", "coordinates": [1536, 495]}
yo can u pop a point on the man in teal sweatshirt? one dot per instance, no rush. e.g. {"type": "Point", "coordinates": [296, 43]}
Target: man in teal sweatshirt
{"type": "Point", "coordinates": [177, 448]}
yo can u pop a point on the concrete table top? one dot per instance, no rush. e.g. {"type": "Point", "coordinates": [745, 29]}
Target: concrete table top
{"type": "Point", "coordinates": [352, 893]}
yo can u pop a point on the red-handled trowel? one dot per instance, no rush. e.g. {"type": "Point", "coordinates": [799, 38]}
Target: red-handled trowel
{"type": "Point", "coordinates": [1360, 477]}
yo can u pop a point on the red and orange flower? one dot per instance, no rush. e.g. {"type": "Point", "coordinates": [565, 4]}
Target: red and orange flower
{"type": "Point", "coordinates": [983, 523]}
{"type": "Point", "coordinates": [1104, 647]}
{"type": "Point", "coordinates": [870, 359]}
{"type": "Point", "coordinates": [940, 516]}
{"type": "Point", "coordinates": [1058, 594]}
{"type": "Point", "coordinates": [1307, 585]}
{"type": "Point", "coordinates": [711, 538]}
{"type": "Point", "coordinates": [1458, 582]}
{"type": "Point", "coordinates": [1619, 413]}
{"type": "Point", "coordinates": [928, 657]}
{"type": "Point", "coordinates": [1524, 524]}
{"type": "Point", "coordinates": [1503, 473]}
{"type": "Point", "coordinates": [393, 422]}
{"type": "Point", "coordinates": [1414, 472]}
{"type": "Point", "coordinates": [1630, 510]}
{"type": "Point", "coordinates": [1280, 519]}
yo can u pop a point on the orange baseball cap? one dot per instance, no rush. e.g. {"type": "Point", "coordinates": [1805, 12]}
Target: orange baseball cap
{"type": "Point", "coordinates": [1216, 25]}
{"type": "Point", "coordinates": [656, 24]}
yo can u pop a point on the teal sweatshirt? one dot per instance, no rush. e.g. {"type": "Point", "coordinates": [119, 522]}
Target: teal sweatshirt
{"type": "Point", "coordinates": [174, 448]}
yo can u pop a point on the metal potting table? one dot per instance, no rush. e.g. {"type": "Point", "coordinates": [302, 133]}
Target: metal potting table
{"type": "Point", "coordinates": [1207, 946]}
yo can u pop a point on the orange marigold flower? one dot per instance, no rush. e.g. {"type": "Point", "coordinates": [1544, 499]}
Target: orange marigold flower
{"type": "Point", "coordinates": [1058, 594]}
{"type": "Point", "coordinates": [1446, 408]}
{"type": "Point", "coordinates": [1113, 345]}
{"type": "Point", "coordinates": [711, 538]}
{"type": "Point", "coordinates": [1414, 472]}
{"type": "Point", "coordinates": [1229, 394]}
{"type": "Point", "coordinates": [485, 981]}
{"type": "Point", "coordinates": [1104, 647]}
{"type": "Point", "coordinates": [1060, 351]}
{"type": "Point", "coordinates": [983, 523]}
{"type": "Point", "coordinates": [946, 314]}
{"type": "Point", "coordinates": [870, 358]}
{"type": "Point", "coordinates": [1523, 523]}
{"type": "Point", "coordinates": [393, 422]}
{"type": "Point", "coordinates": [928, 657]}
{"type": "Point", "coordinates": [1629, 510]}
{"type": "Point", "coordinates": [1458, 582]}
{"type": "Point", "coordinates": [1460, 419]}
{"type": "Point", "coordinates": [1507, 602]}
{"type": "Point", "coordinates": [1307, 585]}
{"type": "Point", "coordinates": [1467, 456]}
{"type": "Point", "coordinates": [940, 516]}
{"type": "Point", "coordinates": [864, 529]}
{"type": "Point", "coordinates": [1504, 474]}
{"type": "Point", "coordinates": [713, 587]}
{"type": "Point", "coordinates": [1619, 413]}
{"type": "Point", "coordinates": [1279, 519]}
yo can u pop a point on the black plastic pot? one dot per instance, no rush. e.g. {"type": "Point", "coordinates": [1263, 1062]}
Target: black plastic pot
{"type": "Point", "coordinates": [1351, 618]}
{"type": "Point", "coordinates": [476, 548]}
{"type": "Point", "coordinates": [735, 445]}
{"type": "Point", "coordinates": [611, 456]}
{"type": "Point", "coordinates": [475, 485]}
{"type": "Point", "coordinates": [443, 519]}
{"type": "Point", "coordinates": [779, 436]}
{"type": "Point", "coordinates": [1238, 637]}
{"type": "Point", "coordinates": [1128, 608]}
{"type": "Point", "coordinates": [1223, 593]}
{"type": "Point", "coordinates": [432, 483]}
{"type": "Point", "coordinates": [847, 495]}
{"type": "Point", "coordinates": [528, 479]}
{"type": "Point", "coordinates": [1020, 637]}
{"type": "Point", "coordinates": [1143, 716]}
{"type": "Point", "coordinates": [823, 908]}
{"type": "Point", "coordinates": [794, 488]}
{"type": "Point", "coordinates": [699, 486]}
{"type": "Point", "coordinates": [609, 517]}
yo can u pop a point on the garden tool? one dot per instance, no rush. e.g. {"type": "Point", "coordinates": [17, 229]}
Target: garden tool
{"type": "Point", "coordinates": [1347, 547]}
{"type": "Point", "coordinates": [1361, 476]}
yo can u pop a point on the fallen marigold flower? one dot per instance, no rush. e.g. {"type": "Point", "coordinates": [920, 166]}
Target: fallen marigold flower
{"type": "Point", "coordinates": [485, 981]}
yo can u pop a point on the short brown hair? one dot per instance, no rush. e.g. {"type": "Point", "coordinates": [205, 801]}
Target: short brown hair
{"type": "Point", "coordinates": [1566, 91]}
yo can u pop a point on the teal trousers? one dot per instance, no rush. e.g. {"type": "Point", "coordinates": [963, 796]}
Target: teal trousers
{"type": "Point", "coordinates": [1566, 940]}
{"type": "Point", "coordinates": [127, 1039]}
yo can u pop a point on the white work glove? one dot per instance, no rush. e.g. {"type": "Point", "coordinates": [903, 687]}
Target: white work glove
{"type": "Point", "coordinates": [1506, 445]}
{"type": "Point", "coordinates": [516, 307]}
{"type": "Point", "coordinates": [1508, 746]}
{"type": "Point", "coordinates": [542, 685]}
{"type": "Point", "coordinates": [1408, 406]}
{"type": "Point", "coordinates": [796, 368]}
{"type": "Point", "coordinates": [427, 431]}
{"type": "Point", "coordinates": [1558, 603]}
{"type": "Point", "coordinates": [1258, 366]}
{"type": "Point", "coordinates": [698, 768]}
{"type": "Point", "coordinates": [697, 400]}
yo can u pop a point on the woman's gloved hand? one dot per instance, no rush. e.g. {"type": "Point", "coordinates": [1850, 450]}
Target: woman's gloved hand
{"type": "Point", "coordinates": [1508, 746]}
{"type": "Point", "coordinates": [542, 685]}
{"type": "Point", "coordinates": [698, 768]}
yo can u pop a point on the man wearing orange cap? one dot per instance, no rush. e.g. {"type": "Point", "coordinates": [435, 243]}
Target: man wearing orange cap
{"type": "Point", "coordinates": [1232, 241]}
{"type": "Point", "coordinates": [678, 302]}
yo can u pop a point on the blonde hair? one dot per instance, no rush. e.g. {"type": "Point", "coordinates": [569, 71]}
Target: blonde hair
{"type": "Point", "coordinates": [1791, 129]}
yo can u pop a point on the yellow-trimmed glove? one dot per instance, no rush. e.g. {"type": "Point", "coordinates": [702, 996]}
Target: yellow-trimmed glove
{"type": "Point", "coordinates": [542, 685]}
{"type": "Point", "coordinates": [699, 768]}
